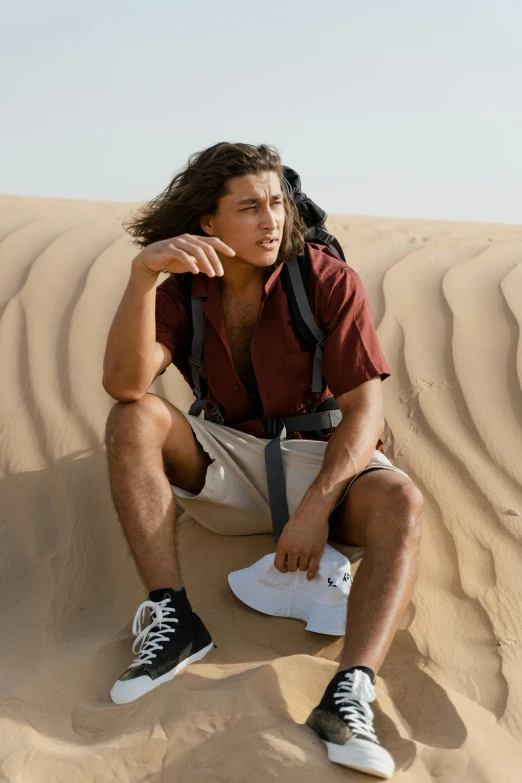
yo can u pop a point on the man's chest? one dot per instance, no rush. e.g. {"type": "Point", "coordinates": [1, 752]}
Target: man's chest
{"type": "Point", "coordinates": [240, 320]}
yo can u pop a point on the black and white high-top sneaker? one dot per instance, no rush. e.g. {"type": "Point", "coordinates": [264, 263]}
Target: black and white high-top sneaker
{"type": "Point", "coordinates": [174, 638]}
{"type": "Point", "coordinates": [344, 720]}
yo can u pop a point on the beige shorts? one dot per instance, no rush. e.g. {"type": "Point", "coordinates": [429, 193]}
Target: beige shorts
{"type": "Point", "coordinates": [234, 500]}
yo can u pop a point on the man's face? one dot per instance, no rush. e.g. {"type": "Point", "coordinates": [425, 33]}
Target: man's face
{"type": "Point", "coordinates": [253, 210]}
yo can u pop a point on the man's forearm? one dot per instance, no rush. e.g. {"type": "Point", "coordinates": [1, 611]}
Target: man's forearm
{"type": "Point", "coordinates": [129, 355]}
{"type": "Point", "coordinates": [348, 451]}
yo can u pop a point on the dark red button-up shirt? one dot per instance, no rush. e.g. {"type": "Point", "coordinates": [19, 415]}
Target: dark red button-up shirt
{"type": "Point", "coordinates": [282, 364]}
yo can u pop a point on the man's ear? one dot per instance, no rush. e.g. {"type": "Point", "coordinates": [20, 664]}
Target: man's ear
{"type": "Point", "coordinates": [206, 225]}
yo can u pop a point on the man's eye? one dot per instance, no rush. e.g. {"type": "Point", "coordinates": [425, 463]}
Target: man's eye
{"type": "Point", "coordinates": [255, 207]}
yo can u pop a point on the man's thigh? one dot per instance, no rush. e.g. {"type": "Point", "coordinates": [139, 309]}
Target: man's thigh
{"type": "Point", "coordinates": [184, 458]}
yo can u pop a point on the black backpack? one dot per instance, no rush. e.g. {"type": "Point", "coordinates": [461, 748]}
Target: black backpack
{"type": "Point", "coordinates": [314, 218]}
{"type": "Point", "coordinates": [324, 417]}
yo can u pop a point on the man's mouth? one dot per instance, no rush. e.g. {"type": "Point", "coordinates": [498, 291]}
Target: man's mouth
{"type": "Point", "coordinates": [268, 244]}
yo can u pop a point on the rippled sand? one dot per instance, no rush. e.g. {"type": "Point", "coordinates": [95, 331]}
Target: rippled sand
{"type": "Point", "coordinates": [447, 303]}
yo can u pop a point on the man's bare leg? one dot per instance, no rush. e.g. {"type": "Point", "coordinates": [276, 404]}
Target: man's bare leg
{"type": "Point", "coordinates": [146, 441]}
{"type": "Point", "coordinates": [381, 512]}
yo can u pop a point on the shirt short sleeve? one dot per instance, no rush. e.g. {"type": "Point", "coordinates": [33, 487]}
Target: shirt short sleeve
{"type": "Point", "coordinates": [352, 352]}
{"type": "Point", "coordinates": [171, 320]}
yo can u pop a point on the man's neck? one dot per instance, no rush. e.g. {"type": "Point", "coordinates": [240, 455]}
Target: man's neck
{"type": "Point", "coordinates": [244, 287]}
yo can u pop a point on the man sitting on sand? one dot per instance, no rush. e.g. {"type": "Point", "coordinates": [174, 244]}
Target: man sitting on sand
{"type": "Point", "coordinates": [227, 219]}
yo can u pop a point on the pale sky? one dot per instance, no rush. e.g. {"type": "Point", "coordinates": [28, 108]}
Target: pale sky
{"type": "Point", "coordinates": [397, 108]}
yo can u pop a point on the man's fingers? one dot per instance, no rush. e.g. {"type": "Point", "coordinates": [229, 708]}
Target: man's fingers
{"type": "Point", "coordinates": [221, 246]}
{"type": "Point", "coordinates": [210, 252]}
{"type": "Point", "coordinates": [285, 562]}
{"type": "Point", "coordinates": [197, 250]}
{"type": "Point", "coordinates": [181, 255]}
{"type": "Point", "coordinates": [202, 251]}
{"type": "Point", "coordinates": [312, 568]}
{"type": "Point", "coordinates": [279, 560]}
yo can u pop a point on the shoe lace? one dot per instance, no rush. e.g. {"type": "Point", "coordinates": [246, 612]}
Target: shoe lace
{"type": "Point", "coordinates": [147, 642]}
{"type": "Point", "coordinates": [352, 696]}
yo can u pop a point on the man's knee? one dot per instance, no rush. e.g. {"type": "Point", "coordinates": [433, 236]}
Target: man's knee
{"type": "Point", "coordinates": [129, 422]}
{"type": "Point", "coordinates": [396, 517]}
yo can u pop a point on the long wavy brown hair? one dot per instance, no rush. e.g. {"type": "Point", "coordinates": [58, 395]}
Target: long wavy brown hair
{"type": "Point", "coordinates": [195, 190]}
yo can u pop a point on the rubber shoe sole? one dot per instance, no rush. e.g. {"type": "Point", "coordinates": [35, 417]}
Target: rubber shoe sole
{"type": "Point", "coordinates": [126, 692]}
{"type": "Point", "coordinates": [362, 756]}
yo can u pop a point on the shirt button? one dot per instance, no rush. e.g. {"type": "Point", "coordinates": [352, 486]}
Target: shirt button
{"type": "Point", "coordinates": [237, 388]}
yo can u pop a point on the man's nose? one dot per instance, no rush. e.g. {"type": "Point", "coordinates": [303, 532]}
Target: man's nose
{"type": "Point", "coordinates": [269, 218]}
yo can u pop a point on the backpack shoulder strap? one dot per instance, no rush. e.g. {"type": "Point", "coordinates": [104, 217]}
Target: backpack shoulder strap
{"type": "Point", "coordinates": [196, 364]}
{"type": "Point", "coordinates": [295, 278]}
{"type": "Point", "coordinates": [185, 284]}
{"type": "Point", "coordinates": [321, 236]}
{"type": "Point", "coordinates": [195, 318]}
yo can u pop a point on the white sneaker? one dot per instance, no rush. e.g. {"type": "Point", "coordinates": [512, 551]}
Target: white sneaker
{"type": "Point", "coordinates": [344, 720]}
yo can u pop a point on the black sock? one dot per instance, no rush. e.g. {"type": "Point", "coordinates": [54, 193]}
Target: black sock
{"type": "Point", "coordinates": [178, 598]}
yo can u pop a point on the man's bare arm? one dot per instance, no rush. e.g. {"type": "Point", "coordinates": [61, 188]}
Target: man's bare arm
{"type": "Point", "coordinates": [133, 358]}
{"type": "Point", "coordinates": [350, 446]}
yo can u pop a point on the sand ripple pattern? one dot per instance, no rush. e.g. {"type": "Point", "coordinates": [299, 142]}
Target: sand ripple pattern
{"type": "Point", "coordinates": [446, 300]}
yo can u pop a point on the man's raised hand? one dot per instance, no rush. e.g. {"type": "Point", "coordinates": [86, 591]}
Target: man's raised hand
{"type": "Point", "coordinates": [184, 253]}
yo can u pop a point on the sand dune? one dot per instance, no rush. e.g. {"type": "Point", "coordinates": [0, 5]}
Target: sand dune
{"type": "Point", "coordinates": [447, 302]}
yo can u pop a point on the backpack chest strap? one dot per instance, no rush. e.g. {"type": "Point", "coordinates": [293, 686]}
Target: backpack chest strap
{"type": "Point", "coordinates": [277, 429]}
